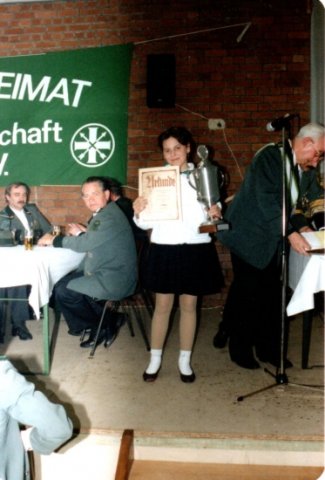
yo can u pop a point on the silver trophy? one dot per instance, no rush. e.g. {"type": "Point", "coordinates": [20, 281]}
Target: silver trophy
{"type": "Point", "coordinates": [206, 184]}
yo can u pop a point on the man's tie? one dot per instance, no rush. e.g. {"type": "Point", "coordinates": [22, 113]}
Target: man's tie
{"type": "Point", "coordinates": [297, 174]}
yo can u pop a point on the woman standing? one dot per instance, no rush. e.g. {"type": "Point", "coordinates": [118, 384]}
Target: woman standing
{"type": "Point", "coordinates": [181, 261]}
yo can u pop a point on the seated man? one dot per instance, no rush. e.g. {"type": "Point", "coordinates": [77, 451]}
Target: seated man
{"type": "Point", "coordinates": [109, 269]}
{"type": "Point", "coordinates": [17, 217]}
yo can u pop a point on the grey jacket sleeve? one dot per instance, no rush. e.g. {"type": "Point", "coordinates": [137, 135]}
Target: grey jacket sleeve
{"type": "Point", "coordinates": [50, 424]}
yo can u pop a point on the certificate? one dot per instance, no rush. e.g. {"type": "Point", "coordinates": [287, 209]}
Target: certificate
{"type": "Point", "coordinates": [316, 241]}
{"type": "Point", "coordinates": [161, 187]}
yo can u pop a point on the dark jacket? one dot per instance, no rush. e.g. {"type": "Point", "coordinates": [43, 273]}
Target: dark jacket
{"type": "Point", "coordinates": [125, 205]}
{"type": "Point", "coordinates": [36, 221]}
{"type": "Point", "coordinates": [255, 214]}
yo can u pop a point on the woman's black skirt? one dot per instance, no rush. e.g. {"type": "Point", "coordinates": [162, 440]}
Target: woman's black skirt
{"type": "Point", "coordinates": [192, 269]}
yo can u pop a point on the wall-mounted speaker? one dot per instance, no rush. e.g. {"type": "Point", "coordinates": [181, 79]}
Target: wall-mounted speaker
{"type": "Point", "coordinates": [161, 78]}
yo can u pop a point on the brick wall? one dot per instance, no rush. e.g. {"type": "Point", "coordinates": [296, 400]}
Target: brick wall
{"type": "Point", "coordinates": [246, 83]}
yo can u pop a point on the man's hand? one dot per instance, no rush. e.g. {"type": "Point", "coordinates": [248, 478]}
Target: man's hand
{"type": "Point", "coordinates": [306, 229]}
{"type": "Point", "coordinates": [215, 212]}
{"type": "Point", "coordinates": [46, 240]}
{"type": "Point", "coordinates": [299, 243]}
{"type": "Point", "coordinates": [74, 229]}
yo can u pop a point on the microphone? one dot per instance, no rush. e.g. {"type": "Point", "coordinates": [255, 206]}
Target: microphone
{"type": "Point", "coordinates": [279, 123]}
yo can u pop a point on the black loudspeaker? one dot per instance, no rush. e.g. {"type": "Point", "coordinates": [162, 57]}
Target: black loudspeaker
{"type": "Point", "coordinates": [161, 77]}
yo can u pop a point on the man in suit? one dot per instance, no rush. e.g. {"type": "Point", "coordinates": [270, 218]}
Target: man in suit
{"type": "Point", "coordinates": [109, 269]}
{"type": "Point", "coordinates": [17, 217]}
{"type": "Point", "coordinates": [252, 313]}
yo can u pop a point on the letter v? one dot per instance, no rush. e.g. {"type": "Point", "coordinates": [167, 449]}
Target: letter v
{"type": "Point", "coordinates": [3, 162]}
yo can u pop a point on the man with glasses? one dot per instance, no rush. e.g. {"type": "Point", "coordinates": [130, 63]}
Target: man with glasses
{"type": "Point", "coordinates": [252, 313]}
{"type": "Point", "coordinates": [108, 271]}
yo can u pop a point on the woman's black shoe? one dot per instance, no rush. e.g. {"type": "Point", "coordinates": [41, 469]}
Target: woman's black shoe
{"type": "Point", "coordinates": [187, 378]}
{"type": "Point", "coordinates": [150, 377]}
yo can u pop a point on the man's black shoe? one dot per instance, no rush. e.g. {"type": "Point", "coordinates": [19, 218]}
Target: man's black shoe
{"type": "Point", "coordinates": [91, 339]}
{"type": "Point", "coordinates": [220, 339]}
{"type": "Point", "coordinates": [275, 362]}
{"type": "Point", "coordinates": [104, 336]}
{"type": "Point", "coordinates": [107, 335]}
{"type": "Point", "coordinates": [110, 338]}
{"type": "Point", "coordinates": [114, 329]}
{"type": "Point", "coordinates": [22, 332]}
{"type": "Point", "coordinates": [248, 362]}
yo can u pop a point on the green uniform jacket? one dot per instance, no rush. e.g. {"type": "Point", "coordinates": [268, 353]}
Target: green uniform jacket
{"type": "Point", "coordinates": [35, 218]}
{"type": "Point", "coordinates": [110, 263]}
{"type": "Point", "coordinates": [255, 214]}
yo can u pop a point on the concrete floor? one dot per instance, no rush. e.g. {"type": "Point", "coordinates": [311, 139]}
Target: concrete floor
{"type": "Point", "coordinates": [108, 393]}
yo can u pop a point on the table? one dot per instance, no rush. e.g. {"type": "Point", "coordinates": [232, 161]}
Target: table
{"type": "Point", "coordinates": [306, 277]}
{"type": "Point", "coordinates": [41, 268]}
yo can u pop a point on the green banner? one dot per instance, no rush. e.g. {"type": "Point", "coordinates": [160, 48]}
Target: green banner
{"type": "Point", "coordinates": [63, 116]}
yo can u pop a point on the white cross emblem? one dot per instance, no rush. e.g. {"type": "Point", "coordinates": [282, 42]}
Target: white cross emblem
{"type": "Point", "coordinates": [92, 145]}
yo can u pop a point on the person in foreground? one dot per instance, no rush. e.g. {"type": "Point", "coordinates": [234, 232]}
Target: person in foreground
{"type": "Point", "coordinates": [180, 261]}
{"type": "Point", "coordinates": [17, 217]}
{"type": "Point", "coordinates": [252, 315]}
{"type": "Point", "coordinates": [47, 424]}
{"type": "Point", "coordinates": [108, 271]}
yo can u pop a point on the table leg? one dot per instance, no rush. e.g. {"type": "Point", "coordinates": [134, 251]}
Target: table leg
{"type": "Point", "coordinates": [307, 322]}
{"type": "Point", "coordinates": [46, 340]}
{"type": "Point", "coordinates": [46, 334]}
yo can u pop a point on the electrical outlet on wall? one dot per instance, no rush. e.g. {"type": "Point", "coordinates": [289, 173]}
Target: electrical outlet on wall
{"type": "Point", "coordinates": [216, 124]}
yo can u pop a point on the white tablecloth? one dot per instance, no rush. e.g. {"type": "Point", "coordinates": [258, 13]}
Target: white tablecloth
{"type": "Point", "coordinates": [41, 268]}
{"type": "Point", "coordinates": [306, 277]}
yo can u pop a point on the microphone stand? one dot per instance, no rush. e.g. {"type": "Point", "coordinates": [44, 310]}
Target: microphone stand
{"type": "Point", "coordinates": [280, 376]}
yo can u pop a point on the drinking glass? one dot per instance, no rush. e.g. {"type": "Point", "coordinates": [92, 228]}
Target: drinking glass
{"type": "Point", "coordinates": [56, 230]}
{"type": "Point", "coordinates": [28, 239]}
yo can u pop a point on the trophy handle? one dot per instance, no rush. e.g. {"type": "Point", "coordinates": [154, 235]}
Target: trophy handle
{"type": "Point", "coordinates": [189, 179]}
{"type": "Point", "coordinates": [202, 152]}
